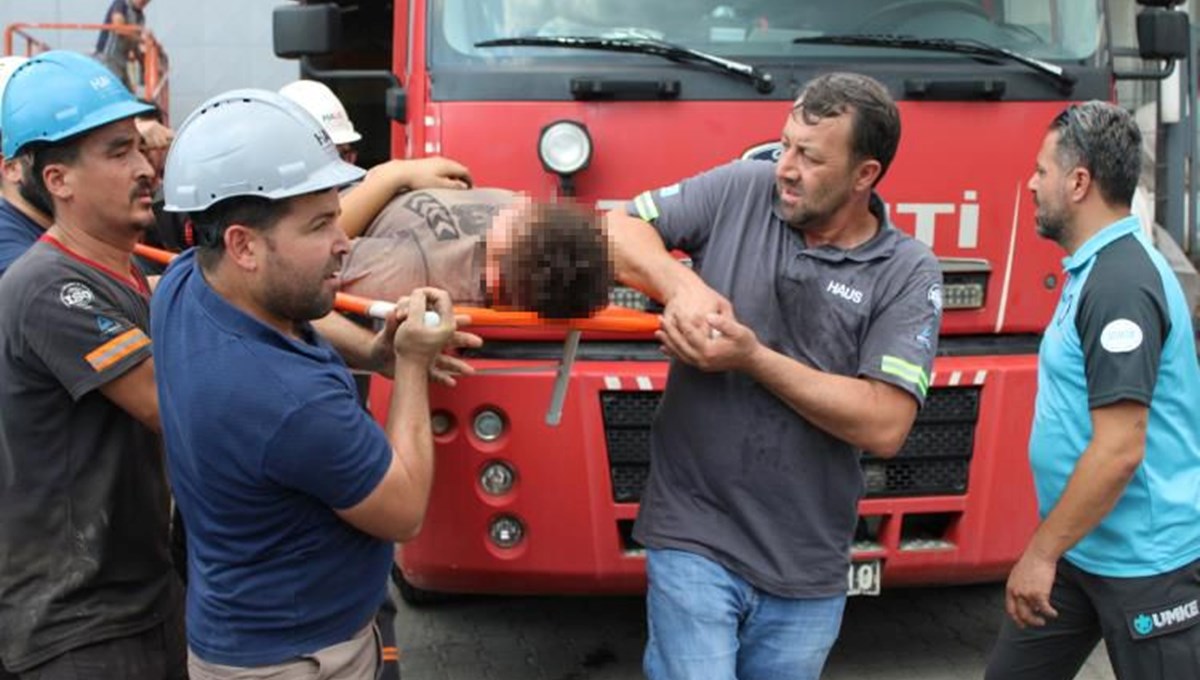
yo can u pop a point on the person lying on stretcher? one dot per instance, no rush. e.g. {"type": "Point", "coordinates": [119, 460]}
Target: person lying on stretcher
{"type": "Point", "coordinates": [486, 247]}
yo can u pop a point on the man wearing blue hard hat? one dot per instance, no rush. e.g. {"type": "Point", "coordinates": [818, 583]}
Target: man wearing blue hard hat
{"type": "Point", "coordinates": [86, 584]}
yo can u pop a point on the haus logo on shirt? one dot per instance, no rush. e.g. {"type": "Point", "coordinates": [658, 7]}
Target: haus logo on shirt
{"type": "Point", "coordinates": [845, 292]}
{"type": "Point", "coordinates": [1121, 336]}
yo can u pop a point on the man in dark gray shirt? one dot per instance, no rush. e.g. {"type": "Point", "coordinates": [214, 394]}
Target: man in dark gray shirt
{"type": "Point", "coordinates": [804, 335]}
{"type": "Point", "coordinates": [86, 584]}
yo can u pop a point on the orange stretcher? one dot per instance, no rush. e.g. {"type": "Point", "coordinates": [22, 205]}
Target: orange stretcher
{"type": "Point", "coordinates": [611, 319]}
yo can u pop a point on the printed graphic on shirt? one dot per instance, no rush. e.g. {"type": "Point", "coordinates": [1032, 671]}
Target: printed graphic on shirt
{"type": "Point", "coordinates": [76, 295]}
{"type": "Point", "coordinates": [436, 215]}
{"type": "Point", "coordinates": [935, 296]}
{"type": "Point", "coordinates": [107, 326]}
{"type": "Point", "coordinates": [845, 291]}
{"type": "Point", "coordinates": [1121, 336]}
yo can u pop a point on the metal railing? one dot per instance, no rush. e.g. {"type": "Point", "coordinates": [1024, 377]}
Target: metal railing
{"type": "Point", "coordinates": [149, 80]}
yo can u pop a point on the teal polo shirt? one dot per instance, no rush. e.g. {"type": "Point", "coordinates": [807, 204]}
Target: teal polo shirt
{"type": "Point", "coordinates": [1122, 331]}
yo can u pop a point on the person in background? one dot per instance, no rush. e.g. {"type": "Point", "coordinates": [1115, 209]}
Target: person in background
{"type": "Point", "coordinates": [1115, 446]}
{"type": "Point", "coordinates": [116, 50]}
{"type": "Point", "coordinates": [22, 222]}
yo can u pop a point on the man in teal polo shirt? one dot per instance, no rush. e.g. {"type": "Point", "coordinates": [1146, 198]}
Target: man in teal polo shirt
{"type": "Point", "coordinates": [1115, 448]}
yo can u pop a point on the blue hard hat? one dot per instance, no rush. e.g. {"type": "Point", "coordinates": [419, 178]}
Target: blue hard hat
{"type": "Point", "coordinates": [59, 94]}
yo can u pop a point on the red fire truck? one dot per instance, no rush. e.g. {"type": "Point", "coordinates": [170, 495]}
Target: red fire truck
{"type": "Point", "coordinates": [603, 99]}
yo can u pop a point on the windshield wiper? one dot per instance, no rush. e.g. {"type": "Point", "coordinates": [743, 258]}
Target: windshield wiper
{"type": "Point", "coordinates": [678, 53]}
{"type": "Point", "coordinates": [977, 48]}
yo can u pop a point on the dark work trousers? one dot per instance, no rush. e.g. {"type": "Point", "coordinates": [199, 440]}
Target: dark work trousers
{"type": "Point", "coordinates": [1151, 626]}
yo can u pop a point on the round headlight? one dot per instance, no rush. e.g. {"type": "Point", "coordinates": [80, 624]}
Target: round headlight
{"type": "Point", "coordinates": [506, 531]}
{"type": "Point", "coordinates": [488, 425]}
{"type": "Point", "coordinates": [565, 147]}
{"type": "Point", "coordinates": [440, 423]}
{"type": "Point", "coordinates": [497, 478]}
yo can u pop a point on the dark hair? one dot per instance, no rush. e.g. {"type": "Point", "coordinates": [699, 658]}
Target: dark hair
{"type": "Point", "coordinates": [208, 226]}
{"type": "Point", "coordinates": [154, 114]}
{"type": "Point", "coordinates": [559, 265]}
{"type": "Point", "coordinates": [875, 121]}
{"type": "Point", "coordinates": [34, 157]}
{"type": "Point", "coordinates": [1103, 139]}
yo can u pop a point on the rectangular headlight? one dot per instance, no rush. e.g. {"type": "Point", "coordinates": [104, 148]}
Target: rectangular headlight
{"type": "Point", "coordinates": [964, 282]}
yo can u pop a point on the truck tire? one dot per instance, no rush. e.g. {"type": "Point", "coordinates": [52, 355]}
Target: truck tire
{"type": "Point", "coordinates": [412, 595]}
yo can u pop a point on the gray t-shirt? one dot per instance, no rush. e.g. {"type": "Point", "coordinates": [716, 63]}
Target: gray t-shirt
{"type": "Point", "coordinates": [83, 492]}
{"type": "Point", "coordinates": [736, 475]}
{"type": "Point", "coordinates": [429, 237]}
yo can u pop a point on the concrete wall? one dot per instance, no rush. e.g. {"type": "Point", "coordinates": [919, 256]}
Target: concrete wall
{"type": "Point", "coordinates": [213, 45]}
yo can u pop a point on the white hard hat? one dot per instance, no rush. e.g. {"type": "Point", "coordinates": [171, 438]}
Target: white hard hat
{"type": "Point", "coordinates": [250, 143]}
{"type": "Point", "coordinates": [324, 105]}
{"type": "Point", "coordinates": [7, 66]}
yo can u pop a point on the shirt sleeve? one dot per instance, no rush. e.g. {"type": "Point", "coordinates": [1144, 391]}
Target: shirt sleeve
{"type": "Point", "coordinates": [82, 336]}
{"type": "Point", "coordinates": [684, 213]}
{"type": "Point", "coordinates": [901, 341]}
{"type": "Point", "coordinates": [1122, 324]}
{"type": "Point", "coordinates": [329, 448]}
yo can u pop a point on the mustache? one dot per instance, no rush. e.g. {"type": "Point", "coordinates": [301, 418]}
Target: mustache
{"type": "Point", "coordinates": [144, 188]}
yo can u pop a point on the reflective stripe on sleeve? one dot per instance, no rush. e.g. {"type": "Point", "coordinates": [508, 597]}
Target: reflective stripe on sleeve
{"type": "Point", "coordinates": [118, 348]}
{"type": "Point", "coordinates": [645, 207]}
{"type": "Point", "coordinates": [906, 371]}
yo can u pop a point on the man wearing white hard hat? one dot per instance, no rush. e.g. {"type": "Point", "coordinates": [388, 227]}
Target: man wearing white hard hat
{"type": "Point", "coordinates": [365, 199]}
{"type": "Point", "coordinates": [292, 495]}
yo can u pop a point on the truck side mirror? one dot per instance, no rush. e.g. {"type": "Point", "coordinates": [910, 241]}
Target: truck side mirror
{"type": "Point", "coordinates": [307, 30]}
{"type": "Point", "coordinates": [1163, 34]}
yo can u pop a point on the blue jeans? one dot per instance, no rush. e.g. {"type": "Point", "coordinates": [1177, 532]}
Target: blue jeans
{"type": "Point", "coordinates": [707, 623]}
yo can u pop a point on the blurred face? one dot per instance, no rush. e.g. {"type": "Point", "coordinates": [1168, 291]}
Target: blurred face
{"type": "Point", "coordinates": [110, 186]}
{"type": "Point", "coordinates": [348, 152]}
{"type": "Point", "coordinates": [303, 259]}
{"type": "Point", "coordinates": [814, 175]}
{"type": "Point", "coordinates": [1049, 186]}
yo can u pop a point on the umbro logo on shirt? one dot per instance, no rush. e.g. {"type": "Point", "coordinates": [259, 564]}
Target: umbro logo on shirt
{"type": "Point", "coordinates": [846, 292]}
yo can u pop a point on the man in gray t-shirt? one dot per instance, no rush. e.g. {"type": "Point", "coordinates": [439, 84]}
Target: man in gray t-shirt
{"type": "Point", "coordinates": [804, 335]}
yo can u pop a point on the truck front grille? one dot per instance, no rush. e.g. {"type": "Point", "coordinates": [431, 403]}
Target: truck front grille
{"type": "Point", "coordinates": [935, 459]}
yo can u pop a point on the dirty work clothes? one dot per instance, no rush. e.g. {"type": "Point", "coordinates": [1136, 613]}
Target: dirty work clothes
{"type": "Point", "coordinates": [1123, 331]}
{"type": "Point", "coordinates": [430, 237]}
{"type": "Point", "coordinates": [17, 234]}
{"type": "Point", "coordinates": [736, 475]}
{"type": "Point", "coordinates": [1150, 626]}
{"type": "Point", "coordinates": [264, 442]}
{"type": "Point", "coordinates": [159, 653]}
{"type": "Point", "coordinates": [83, 493]}
{"type": "Point", "coordinates": [359, 658]}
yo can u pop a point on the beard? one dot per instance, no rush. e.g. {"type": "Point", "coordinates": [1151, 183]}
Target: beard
{"type": "Point", "coordinates": [292, 295]}
{"type": "Point", "coordinates": [1050, 221]}
{"type": "Point", "coordinates": [815, 207]}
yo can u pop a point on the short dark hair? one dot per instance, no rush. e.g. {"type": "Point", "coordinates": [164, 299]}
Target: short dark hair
{"type": "Point", "coordinates": [34, 157]}
{"type": "Point", "coordinates": [1105, 140]}
{"type": "Point", "coordinates": [875, 122]}
{"type": "Point", "coordinates": [558, 266]}
{"type": "Point", "coordinates": [209, 225]}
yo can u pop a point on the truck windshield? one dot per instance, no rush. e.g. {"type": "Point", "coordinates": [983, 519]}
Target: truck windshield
{"type": "Point", "coordinates": [1056, 30]}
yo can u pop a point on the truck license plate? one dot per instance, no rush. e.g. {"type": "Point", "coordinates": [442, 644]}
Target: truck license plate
{"type": "Point", "coordinates": [863, 578]}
